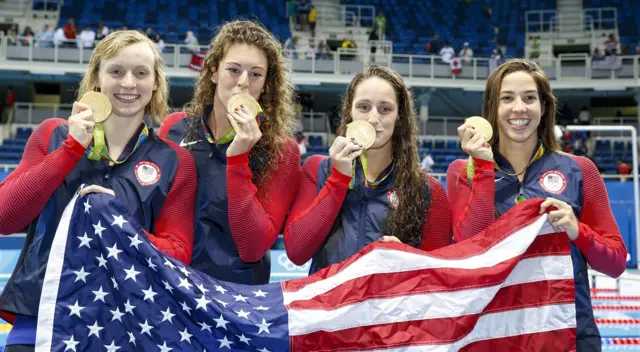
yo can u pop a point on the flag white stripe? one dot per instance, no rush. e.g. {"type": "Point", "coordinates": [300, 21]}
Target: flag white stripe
{"type": "Point", "coordinates": [51, 283]}
{"type": "Point", "coordinates": [433, 305]}
{"type": "Point", "coordinates": [506, 324]}
{"type": "Point", "coordinates": [381, 260]}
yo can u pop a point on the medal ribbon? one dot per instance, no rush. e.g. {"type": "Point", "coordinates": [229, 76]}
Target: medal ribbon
{"type": "Point", "coordinates": [471, 171]}
{"type": "Point", "coordinates": [230, 134]}
{"type": "Point", "coordinates": [98, 150]}
{"type": "Point", "coordinates": [365, 169]}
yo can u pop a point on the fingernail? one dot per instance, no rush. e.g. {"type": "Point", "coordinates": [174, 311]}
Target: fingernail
{"type": "Point", "coordinates": [236, 109]}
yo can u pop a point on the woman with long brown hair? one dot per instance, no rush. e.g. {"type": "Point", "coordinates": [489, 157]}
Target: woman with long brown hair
{"type": "Point", "coordinates": [248, 166]}
{"type": "Point", "coordinates": [522, 160]}
{"type": "Point", "coordinates": [152, 178]}
{"type": "Point", "coordinates": [349, 200]}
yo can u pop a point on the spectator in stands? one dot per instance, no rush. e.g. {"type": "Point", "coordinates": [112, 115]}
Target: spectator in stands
{"type": "Point", "coordinates": [466, 54]}
{"type": "Point", "coordinates": [45, 37]}
{"type": "Point", "coordinates": [191, 41]}
{"type": "Point", "coordinates": [290, 47]}
{"type": "Point", "coordinates": [59, 39]}
{"type": "Point", "coordinates": [102, 31]}
{"type": "Point", "coordinates": [56, 163]}
{"type": "Point", "coordinates": [309, 51]}
{"type": "Point", "coordinates": [535, 53]}
{"type": "Point", "coordinates": [304, 9]}
{"type": "Point", "coordinates": [427, 162]}
{"type": "Point", "coordinates": [446, 53]}
{"type": "Point", "coordinates": [70, 29]}
{"type": "Point", "coordinates": [322, 51]}
{"type": "Point", "coordinates": [149, 33]}
{"type": "Point", "coordinates": [381, 25]}
{"type": "Point", "coordinates": [27, 36]}
{"type": "Point", "coordinates": [87, 38]}
{"type": "Point", "coordinates": [302, 142]}
{"type": "Point", "coordinates": [12, 34]}
{"type": "Point", "coordinates": [433, 47]}
{"type": "Point", "coordinates": [611, 45]}
{"type": "Point", "coordinates": [313, 14]}
{"type": "Point", "coordinates": [292, 14]}
{"type": "Point", "coordinates": [523, 155]}
{"type": "Point", "coordinates": [637, 50]}
{"type": "Point", "coordinates": [597, 55]}
{"type": "Point", "coordinates": [8, 111]}
{"type": "Point", "coordinates": [345, 203]}
{"type": "Point", "coordinates": [248, 165]}
{"type": "Point", "coordinates": [584, 117]}
{"type": "Point", "coordinates": [623, 169]}
{"type": "Point", "coordinates": [348, 44]}
{"type": "Point", "coordinates": [159, 42]}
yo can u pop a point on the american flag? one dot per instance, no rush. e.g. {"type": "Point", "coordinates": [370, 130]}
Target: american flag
{"type": "Point", "coordinates": [108, 289]}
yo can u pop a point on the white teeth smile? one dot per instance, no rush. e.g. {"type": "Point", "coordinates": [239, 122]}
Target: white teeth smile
{"type": "Point", "coordinates": [127, 97]}
{"type": "Point", "coordinates": [519, 123]}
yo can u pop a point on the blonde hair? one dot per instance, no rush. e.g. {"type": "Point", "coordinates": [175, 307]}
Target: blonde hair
{"type": "Point", "coordinates": [157, 108]}
{"type": "Point", "coordinates": [276, 100]}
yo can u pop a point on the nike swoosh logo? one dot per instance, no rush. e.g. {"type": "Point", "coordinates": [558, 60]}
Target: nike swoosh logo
{"type": "Point", "coordinates": [183, 144]}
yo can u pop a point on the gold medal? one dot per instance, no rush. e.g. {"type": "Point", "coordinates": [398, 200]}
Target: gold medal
{"type": "Point", "coordinates": [363, 132]}
{"type": "Point", "coordinates": [245, 100]}
{"type": "Point", "coordinates": [481, 125]}
{"type": "Point", "coordinates": [99, 103]}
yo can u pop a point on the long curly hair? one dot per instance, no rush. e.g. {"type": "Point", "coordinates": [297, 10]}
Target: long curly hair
{"type": "Point", "coordinates": [276, 100]}
{"type": "Point", "coordinates": [157, 108]}
{"type": "Point", "coordinates": [492, 100]}
{"type": "Point", "coordinates": [409, 180]}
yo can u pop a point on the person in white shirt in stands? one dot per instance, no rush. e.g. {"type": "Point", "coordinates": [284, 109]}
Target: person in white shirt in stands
{"type": "Point", "coordinates": [427, 162]}
{"type": "Point", "coordinates": [309, 51]}
{"type": "Point", "coordinates": [59, 38]}
{"type": "Point", "coordinates": [446, 53]}
{"type": "Point", "coordinates": [191, 41]}
{"type": "Point", "coordinates": [87, 38]}
{"type": "Point", "coordinates": [466, 53]}
{"type": "Point", "coordinates": [45, 37]}
{"type": "Point", "coordinates": [102, 31]}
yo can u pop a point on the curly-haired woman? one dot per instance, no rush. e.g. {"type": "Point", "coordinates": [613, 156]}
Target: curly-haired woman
{"type": "Point", "coordinates": [248, 170]}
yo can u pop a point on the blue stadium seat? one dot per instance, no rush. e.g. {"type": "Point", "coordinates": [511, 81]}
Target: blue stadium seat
{"type": "Point", "coordinates": [439, 144]}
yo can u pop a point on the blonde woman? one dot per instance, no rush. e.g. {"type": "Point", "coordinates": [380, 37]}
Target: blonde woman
{"type": "Point", "coordinates": [127, 68]}
{"type": "Point", "coordinates": [248, 166]}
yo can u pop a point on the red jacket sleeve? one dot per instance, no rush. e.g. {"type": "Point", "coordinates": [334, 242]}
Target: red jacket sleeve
{"type": "Point", "coordinates": [26, 191]}
{"type": "Point", "coordinates": [175, 225]}
{"type": "Point", "coordinates": [256, 216]}
{"type": "Point", "coordinates": [436, 231]}
{"type": "Point", "coordinates": [168, 123]}
{"type": "Point", "coordinates": [472, 205]}
{"type": "Point", "coordinates": [599, 238]}
{"type": "Point", "coordinates": [313, 213]}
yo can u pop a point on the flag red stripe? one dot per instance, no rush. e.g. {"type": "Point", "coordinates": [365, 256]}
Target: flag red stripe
{"type": "Point", "coordinates": [444, 330]}
{"type": "Point", "coordinates": [428, 280]}
{"type": "Point", "coordinates": [514, 220]}
{"type": "Point", "coordinates": [556, 340]}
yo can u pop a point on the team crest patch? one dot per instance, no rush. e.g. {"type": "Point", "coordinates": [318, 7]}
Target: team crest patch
{"type": "Point", "coordinates": [553, 181]}
{"type": "Point", "coordinates": [392, 198]}
{"type": "Point", "coordinates": [147, 173]}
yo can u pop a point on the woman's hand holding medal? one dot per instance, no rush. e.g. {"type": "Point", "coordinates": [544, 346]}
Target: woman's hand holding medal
{"type": "Point", "coordinates": [81, 123]}
{"type": "Point", "coordinates": [242, 111]}
{"type": "Point", "coordinates": [344, 150]}
{"type": "Point", "coordinates": [474, 135]}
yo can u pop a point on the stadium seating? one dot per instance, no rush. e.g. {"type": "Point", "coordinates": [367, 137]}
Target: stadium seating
{"type": "Point", "coordinates": [412, 23]}
{"type": "Point", "coordinates": [172, 17]}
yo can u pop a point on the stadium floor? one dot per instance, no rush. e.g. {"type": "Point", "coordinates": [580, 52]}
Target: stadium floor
{"type": "Point", "coordinates": [616, 307]}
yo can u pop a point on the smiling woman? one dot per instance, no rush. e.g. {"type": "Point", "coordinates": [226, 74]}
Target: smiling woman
{"type": "Point", "coordinates": [527, 163]}
{"type": "Point", "coordinates": [154, 179]}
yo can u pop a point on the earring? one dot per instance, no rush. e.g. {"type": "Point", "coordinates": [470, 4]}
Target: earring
{"type": "Point", "coordinates": [214, 82]}
{"type": "Point", "coordinates": [262, 91]}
